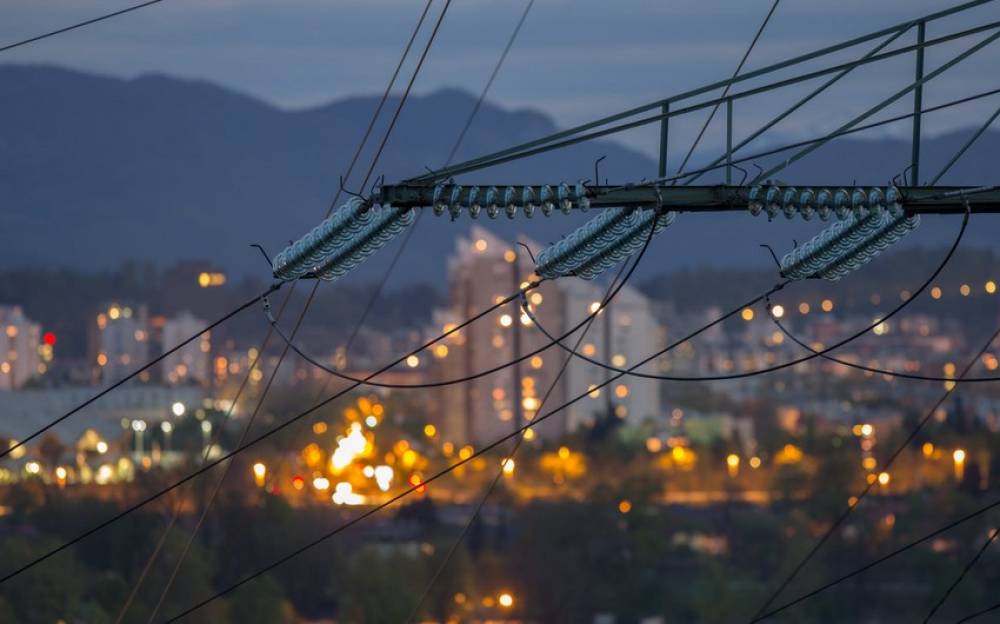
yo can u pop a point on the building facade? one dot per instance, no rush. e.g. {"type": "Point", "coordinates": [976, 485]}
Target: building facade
{"type": "Point", "coordinates": [190, 363]}
{"type": "Point", "coordinates": [20, 348]}
{"type": "Point", "coordinates": [484, 270]}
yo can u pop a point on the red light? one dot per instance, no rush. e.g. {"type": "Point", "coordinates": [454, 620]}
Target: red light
{"type": "Point", "coordinates": [49, 338]}
{"type": "Point", "coordinates": [298, 482]}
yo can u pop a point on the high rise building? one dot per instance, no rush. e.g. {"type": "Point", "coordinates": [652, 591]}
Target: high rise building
{"type": "Point", "coordinates": [20, 347]}
{"type": "Point", "coordinates": [120, 342]}
{"type": "Point", "coordinates": [485, 270]}
{"type": "Point", "coordinates": [624, 333]}
{"type": "Point", "coordinates": [190, 363]}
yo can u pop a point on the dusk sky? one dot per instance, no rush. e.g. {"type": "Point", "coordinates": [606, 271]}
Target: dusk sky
{"type": "Point", "coordinates": [574, 59]}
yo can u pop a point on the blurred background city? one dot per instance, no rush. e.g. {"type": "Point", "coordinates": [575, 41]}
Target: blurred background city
{"type": "Point", "coordinates": [132, 189]}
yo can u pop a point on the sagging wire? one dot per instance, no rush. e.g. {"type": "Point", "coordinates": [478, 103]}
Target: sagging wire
{"type": "Point", "coordinates": [856, 500]}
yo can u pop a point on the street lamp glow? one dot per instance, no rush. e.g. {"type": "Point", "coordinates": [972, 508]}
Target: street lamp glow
{"type": "Point", "coordinates": [167, 426]}
{"type": "Point", "coordinates": [778, 311]}
{"type": "Point", "coordinates": [138, 426]}
{"type": "Point", "coordinates": [959, 458]}
{"type": "Point", "coordinates": [505, 600]}
{"type": "Point", "coordinates": [733, 464]}
{"type": "Point", "coordinates": [178, 409]}
{"type": "Point", "coordinates": [507, 465]}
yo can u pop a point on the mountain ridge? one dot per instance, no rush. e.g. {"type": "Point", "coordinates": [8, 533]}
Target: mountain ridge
{"type": "Point", "coordinates": [102, 169]}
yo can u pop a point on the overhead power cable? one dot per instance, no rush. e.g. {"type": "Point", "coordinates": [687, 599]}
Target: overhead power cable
{"type": "Point", "coordinates": [517, 445]}
{"type": "Point", "coordinates": [516, 432]}
{"type": "Point", "coordinates": [114, 386]}
{"type": "Point", "coordinates": [247, 427]}
{"type": "Point", "coordinates": [494, 444]}
{"type": "Point", "coordinates": [869, 369]}
{"type": "Point", "coordinates": [978, 614]}
{"type": "Point", "coordinates": [59, 31]}
{"type": "Point", "coordinates": [868, 566]}
{"type": "Point", "coordinates": [256, 440]}
{"type": "Point", "coordinates": [216, 433]}
{"type": "Point", "coordinates": [406, 238]}
{"type": "Point", "coordinates": [770, 369]}
{"type": "Point", "coordinates": [868, 487]}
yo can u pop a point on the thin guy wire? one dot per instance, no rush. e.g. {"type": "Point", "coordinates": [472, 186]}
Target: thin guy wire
{"type": "Point", "coordinates": [707, 88]}
{"type": "Point", "coordinates": [794, 107]}
{"type": "Point", "coordinates": [507, 156]}
{"type": "Point", "coordinates": [729, 85]}
{"type": "Point", "coordinates": [64, 29]}
{"type": "Point", "coordinates": [788, 146]}
{"type": "Point", "coordinates": [218, 483]}
{"type": "Point", "coordinates": [247, 427]}
{"type": "Point", "coordinates": [965, 147]}
{"type": "Point", "coordinates": [489, 83]}
{"type": "Point", "coordinates": [885, 103]}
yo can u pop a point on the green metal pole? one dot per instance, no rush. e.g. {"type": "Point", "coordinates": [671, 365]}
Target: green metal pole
{"type": "Point", "coordinates": [664, 135]}
{"type": "Point", "coordinates": [918, 101]}
{"type": "Point", "coordinates": [729, 141]}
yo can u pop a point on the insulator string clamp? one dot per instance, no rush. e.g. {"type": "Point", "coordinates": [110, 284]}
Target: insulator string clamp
{"type": "Point", "coordinates": [807, 202]}
{"type": "Point", "coordinates": [386, 224]}
{"type": "Point", "coordinates": [847, 245]}
{"type": "Point", "coordinates": [600, 243]}
{"type": "Point", "coordinates": [304, 255]}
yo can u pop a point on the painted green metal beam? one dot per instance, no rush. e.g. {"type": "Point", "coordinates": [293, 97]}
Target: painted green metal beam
{"type": "Point", "coordinates": [720, 198]}
{"type": "Point", "coordinates": [902, 26]}
{"type": "Point", "coordinates": [559, 140]}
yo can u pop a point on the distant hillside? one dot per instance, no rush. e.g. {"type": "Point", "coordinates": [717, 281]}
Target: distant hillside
{"type": "Point", "coordinates": [96, 170]}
